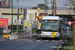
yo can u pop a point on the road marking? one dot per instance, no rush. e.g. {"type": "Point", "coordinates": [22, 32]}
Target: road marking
{"type": "Point", "coordinates": [25, 46]}
{"type": "Point", "coordinates": [60, 40]}
{"type": "Point", "coordinates": [38, 40]}
{"type": "Point", "coordinates": [30, 41]}
{"type": "Point", "coordinates": [46, 40]}
{"type": "Point", "coordinates": [53, 40]}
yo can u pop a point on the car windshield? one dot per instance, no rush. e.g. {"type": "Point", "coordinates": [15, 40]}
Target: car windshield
{"type": "Point", "coordinates": [49, 26]}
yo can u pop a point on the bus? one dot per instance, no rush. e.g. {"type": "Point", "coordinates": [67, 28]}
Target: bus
{"type": "Point", "coordinates": [51, 27]}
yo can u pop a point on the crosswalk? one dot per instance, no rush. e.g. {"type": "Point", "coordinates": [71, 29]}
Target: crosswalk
{"type": "Point", "coordinates": [46, 41]}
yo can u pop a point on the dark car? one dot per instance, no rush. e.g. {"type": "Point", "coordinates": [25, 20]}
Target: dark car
{"type": "Point", "coordinates": [38, 31]}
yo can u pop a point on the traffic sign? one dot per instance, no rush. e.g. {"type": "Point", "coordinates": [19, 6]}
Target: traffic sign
{"type": "Point", "coordinates": [29, 25]}
{"type": "Point", "coordinates": [38, 9]}
{"type": "Point", "coordinates": [69, 23]}
{"type": "Point", "coordinates": [21, 15]}
{"type": "Point", "coordinates": [25, 23]}
{"type": "Point", "coordinates": [39, 24]}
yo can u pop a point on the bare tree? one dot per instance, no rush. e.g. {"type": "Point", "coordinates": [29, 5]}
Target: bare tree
{"type": "Point", "coordinates": [72, 1]}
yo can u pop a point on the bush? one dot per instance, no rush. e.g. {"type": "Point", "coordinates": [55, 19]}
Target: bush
{"type": "Point", "coordinates": [66, 44]}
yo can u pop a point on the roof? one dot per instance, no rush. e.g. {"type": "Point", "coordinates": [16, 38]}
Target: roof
{"type": "Point", "coordinates": [51, 17]}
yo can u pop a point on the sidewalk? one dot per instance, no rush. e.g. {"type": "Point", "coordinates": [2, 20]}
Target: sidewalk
{"type": "Point", "coordinates": [1, 38]}
{"type": "Point", "coordinates": [20, 36]}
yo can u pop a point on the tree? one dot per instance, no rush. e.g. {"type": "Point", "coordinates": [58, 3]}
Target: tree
{"type": "Point", "coordinates": [72, 1]}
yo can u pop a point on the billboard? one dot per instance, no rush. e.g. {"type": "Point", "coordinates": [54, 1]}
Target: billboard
{"type": "Point", "coordinates": [38, 16]}
{"type": "Point", "coordinates": [4, 24]}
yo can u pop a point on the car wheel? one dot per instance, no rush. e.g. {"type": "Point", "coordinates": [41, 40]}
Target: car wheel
{"type": "Point", "coordinates": [39, 32]}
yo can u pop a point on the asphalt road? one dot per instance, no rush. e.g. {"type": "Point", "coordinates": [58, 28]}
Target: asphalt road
{"type": "Point", "coordinates": [29, 44]}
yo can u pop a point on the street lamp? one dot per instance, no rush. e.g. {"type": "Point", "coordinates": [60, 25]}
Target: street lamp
{"type": "Point", "coordinates": [12, 15]}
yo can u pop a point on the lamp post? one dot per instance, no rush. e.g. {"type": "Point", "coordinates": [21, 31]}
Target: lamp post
{"type": "Point", "coordinates": [12, 15]}
{"type": "Point", "coordinates": [18, 14]}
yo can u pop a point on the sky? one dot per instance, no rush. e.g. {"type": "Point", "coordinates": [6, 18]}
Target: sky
{"type": "Point", "coordinates": [31, 3]}
{"type": "Point", "coordinates": [35, 2]}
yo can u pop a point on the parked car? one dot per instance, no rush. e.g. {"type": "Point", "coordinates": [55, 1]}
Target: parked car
{"type": "Point", "coordinates": [38, 31]}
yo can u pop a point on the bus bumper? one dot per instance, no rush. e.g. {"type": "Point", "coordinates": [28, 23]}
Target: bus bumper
{"type": "Point", "coordinates": [48, 36]}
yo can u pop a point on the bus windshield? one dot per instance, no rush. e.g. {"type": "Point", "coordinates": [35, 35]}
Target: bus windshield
{"type": "Point", "coordinates": [50, 25]}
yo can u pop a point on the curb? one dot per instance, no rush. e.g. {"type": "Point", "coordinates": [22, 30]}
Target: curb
{"type": "Point", "coordinates": [2, 38]}
{"type": "Point", "coordinates": [59, 45]}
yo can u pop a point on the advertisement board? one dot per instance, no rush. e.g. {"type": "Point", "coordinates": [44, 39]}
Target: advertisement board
{"type": "Point", "coordinates": [4, 24]}
{"type": "Point", "coordinates": [38, 16]}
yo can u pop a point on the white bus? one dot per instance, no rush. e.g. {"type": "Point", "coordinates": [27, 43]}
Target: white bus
{"type": "Point", "coordinates": [51, 27]}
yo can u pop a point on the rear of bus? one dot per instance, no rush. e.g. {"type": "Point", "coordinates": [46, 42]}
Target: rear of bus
{"type": "Point", "coordinates": [50, 27]}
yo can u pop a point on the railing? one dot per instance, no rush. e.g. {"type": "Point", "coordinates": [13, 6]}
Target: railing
{"type": "Point", "coordinates": [30, 7]}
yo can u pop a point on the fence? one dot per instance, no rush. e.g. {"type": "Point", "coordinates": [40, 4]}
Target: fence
{"type": "Point", "coordinates": [30, 7]}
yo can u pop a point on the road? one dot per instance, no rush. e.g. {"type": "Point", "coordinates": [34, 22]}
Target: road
{"type": "Point", "coordinates": [29, 44]}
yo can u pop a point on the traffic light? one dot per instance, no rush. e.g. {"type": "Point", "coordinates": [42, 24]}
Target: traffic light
{"type": "Point", "coordinates": [25, 12]}
{"type": "Point", "coordinates": [18, 14]}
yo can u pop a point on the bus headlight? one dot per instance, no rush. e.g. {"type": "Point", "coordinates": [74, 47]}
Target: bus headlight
{"type": "Point", "coordinates": [42, 33]}
{"type": "Point", "coordinates": [57, 34]}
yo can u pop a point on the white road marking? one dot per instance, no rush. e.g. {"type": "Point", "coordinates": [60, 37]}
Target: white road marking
{"type": "Point", "coordinates": [30, 41]}
{"type": "Point", "coordinates": [46, 40]}
{"type": "Point", "coordinates": [38, 40]}
{"type": "Point", "coordinates": [24, 46]}
{"type": "Point", "coordinates": [61, 40]}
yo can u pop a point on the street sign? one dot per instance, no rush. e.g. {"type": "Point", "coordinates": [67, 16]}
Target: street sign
{"type": "Point", "coordinates": [67, 30]}
{"type": "Point", "coordinates": [38, 9]}
{"type": "Point", "coordinates": [21, 15]}
{"type": "Point", "coordinates": [39, 24]}
{"type": "Point", "coordinates": [69, 23]}
{"type": "Point", "coordinates": [29, 25]}
{"type": "Point", "coordinates": [25, 23]}
{"type": "Point", "coordinates": [39, 16]}
{"type": "Point", "coordinates": [14, 16]}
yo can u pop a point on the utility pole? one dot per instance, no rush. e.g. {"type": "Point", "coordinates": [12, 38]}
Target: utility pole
{"type": "Point", "coordinates": [23, 4]}
{"type": "Point", "coordinates": [18, 14]}
{"type": "Point", "coordinates": [9, 3]}
{"type": "Point", "coordinates": [45, 5]}
{"type": "Point", "coordinates": [74, 32]}
{"type": "Point", "coordinates": [12, 15]}
{"type": "Point", "coordinates": [54, 8]}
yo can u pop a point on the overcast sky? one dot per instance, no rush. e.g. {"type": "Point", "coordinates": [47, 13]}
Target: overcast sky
{"type": "Point", "coordinates": [32, 3]}
{"type": "Point", "coordinates": [35, 2]}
